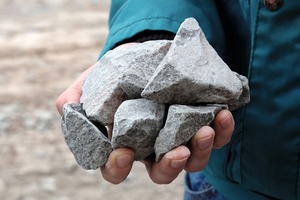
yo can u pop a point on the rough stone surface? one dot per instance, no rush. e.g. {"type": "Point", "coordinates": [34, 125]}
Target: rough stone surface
{"type": "Point", "coordinates": [192, 72]}
{"type": "Point", "coordinates": [131, 87]}
{"type": "Point", "coordinates": [181, 124]}
{"type": "Point", "coordinates": [121, 74]}
{"type": "Point", "coordinates": [244, 98]}
{"type": "Point", "coordinates": [137, 124]}
{"type": "Point", "coordinates": [144, 60]}
{"type": "Point", "coordinates": [89, 146]}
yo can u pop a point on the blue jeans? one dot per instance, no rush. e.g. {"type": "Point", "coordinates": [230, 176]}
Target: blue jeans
{"type": "Point", "coordinates": [197, 188]}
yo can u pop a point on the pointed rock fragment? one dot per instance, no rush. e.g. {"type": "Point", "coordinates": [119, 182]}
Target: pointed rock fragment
{"type": "Point", "coordinates": [192, 72]}
{"type": "Point", "coordinates": [145, 59]}
{"type": "Point", "coordinates": [137, 124]}
{"type": "Point", "coordinates": [88, 144]}
{"type": "Point", "coordinates": [181, 125]}
{"type": "Point", "coordinates": [121, 74]}
{"type": "Point", "coordinates": [244, 98]}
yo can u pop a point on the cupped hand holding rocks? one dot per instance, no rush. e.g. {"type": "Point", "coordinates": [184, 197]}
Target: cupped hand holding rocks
{"type": "Point", "coordinates": [116, 164]}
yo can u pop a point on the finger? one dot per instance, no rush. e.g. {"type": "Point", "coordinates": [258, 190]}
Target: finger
{"type": "Point", "coordinates": [73, 93]}
{"type": "Point", "coordinates": [118, 165]}
{"type": "Point", "coordinates": [168, 168]}
{"type": "Point", "coordinates": [201, 146]}
{"type": "Point", "coordinates": [223, 126]}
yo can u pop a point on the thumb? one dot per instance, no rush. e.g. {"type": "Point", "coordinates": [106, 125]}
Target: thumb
{"type": "Point", "coordinates": [73, 93]}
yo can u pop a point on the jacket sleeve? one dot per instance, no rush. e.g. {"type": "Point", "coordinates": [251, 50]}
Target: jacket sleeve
{"type": "Point", "coordinates": [130, 17]}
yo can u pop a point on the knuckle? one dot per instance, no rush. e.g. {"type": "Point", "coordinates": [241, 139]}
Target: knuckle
{"type": "Point", "coordinates": [196, 165]}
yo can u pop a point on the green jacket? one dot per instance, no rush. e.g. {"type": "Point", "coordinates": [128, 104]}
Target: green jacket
{"type": "Point", "coordinates": [262, 161]}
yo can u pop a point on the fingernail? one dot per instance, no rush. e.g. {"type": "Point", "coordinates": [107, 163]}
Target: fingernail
{"type": "Point", "coordinates": [226, 123]}
{"type": "Point", "coordinates": [204, 143]}
{"type": "Point", "coordinates": [124, 161]}
{"type": "Point", "coordinates": [178, 164]}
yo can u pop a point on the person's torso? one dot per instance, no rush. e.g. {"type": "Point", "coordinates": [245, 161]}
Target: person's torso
{"type": "Point", "coordinates": [264, 153]}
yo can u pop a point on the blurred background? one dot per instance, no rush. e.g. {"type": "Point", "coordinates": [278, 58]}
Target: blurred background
{"type": "Point", "coordinates": [44, 46]}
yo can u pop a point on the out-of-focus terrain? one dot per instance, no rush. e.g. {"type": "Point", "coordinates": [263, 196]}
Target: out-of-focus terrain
{"type": "Point", "coordinates": [44, 46]}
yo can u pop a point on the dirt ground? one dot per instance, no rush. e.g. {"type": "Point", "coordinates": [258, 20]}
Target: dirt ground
{"type": "Point", "coordinates": [44, 46]}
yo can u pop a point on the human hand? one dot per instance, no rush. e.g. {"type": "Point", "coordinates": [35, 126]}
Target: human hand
{"type": "Point", "coordinates": [195, 156]}
{"type": "Point", "coordinates": [192, 158]}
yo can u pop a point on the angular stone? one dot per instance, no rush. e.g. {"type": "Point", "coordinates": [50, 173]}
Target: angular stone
{"type": "Point", "coordinates": [192, 72]}
{"type": "Point", "coordinates": [145, 58]}
{"type": "Point", "coordinates": [88, 144]}
{"type": "Point", "coordinates": [244, 98]}
{"type": "Point", "coordinates": [137, 124]}
{"type": "Point", "coordinates": [121, 74]}
{"type": "Point", "coordinates": [181, 125]}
